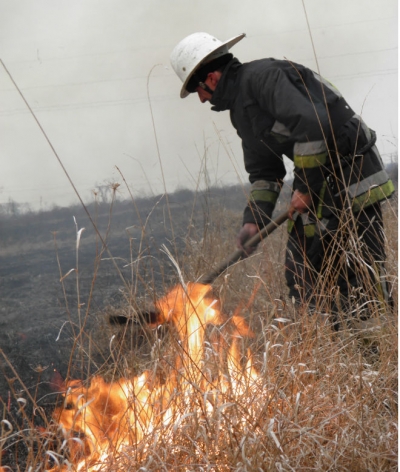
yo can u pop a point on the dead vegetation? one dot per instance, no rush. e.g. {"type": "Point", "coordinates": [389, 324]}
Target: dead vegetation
{"type": "Point", "coordinates": [295, 396]}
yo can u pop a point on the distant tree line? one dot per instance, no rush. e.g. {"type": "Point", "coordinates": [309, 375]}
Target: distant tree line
{"type": "Point", "coordinates": [103, 194]}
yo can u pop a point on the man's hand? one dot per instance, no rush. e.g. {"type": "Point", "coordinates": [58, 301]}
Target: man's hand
{"type": "Point", "coordinates": [300, 203]}
{"type": "Point", "coordinates": [247, 231]}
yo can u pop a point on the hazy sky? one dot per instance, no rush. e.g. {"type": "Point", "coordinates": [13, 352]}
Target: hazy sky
{"type": "Point", "coordinates": [92, 71]}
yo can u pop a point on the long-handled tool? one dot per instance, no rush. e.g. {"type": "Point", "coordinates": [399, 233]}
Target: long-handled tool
{"type": "Point", "coordinates": [150, 316]}
{"type": "Point", "coordinates": [257, 238]}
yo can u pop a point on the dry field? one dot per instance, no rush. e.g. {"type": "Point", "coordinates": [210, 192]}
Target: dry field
{"type": "Point", "coordinates": [229, 377]}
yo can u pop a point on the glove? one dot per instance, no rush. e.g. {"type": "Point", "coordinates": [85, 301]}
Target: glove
{"type": "Point", "coordinates": [247, 231]}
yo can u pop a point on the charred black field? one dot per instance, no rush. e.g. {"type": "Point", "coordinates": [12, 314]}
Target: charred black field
{"type": "Point", "coordinates": [43, 276]}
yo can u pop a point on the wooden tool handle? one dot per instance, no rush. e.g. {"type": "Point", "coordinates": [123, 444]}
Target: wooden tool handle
{"type": "Point", "coordinates": [263, 233]}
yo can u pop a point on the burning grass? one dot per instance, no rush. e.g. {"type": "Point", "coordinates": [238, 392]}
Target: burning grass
{"type": "Point", "coordinates": [307, 398]}
{"type": "Point", "coordinates": [288, 414]}
{"type": "Point", "coordinates": [237, 379]}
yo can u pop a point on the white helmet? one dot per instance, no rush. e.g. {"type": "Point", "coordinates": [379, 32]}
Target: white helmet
{"type": "Point", "coordinates": [195, 51]}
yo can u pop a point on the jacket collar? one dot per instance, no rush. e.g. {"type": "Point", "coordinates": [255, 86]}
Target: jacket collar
{"type": "Point", "coordinates": [226, 91]}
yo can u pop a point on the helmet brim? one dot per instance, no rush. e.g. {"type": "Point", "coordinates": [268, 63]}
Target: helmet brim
{"type": "Point", "coordinates": [227, 44]}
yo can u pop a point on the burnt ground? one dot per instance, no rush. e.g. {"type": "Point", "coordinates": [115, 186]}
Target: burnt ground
{"type": "Point", "coordinates": [35, 327]}
{"type": "Point", "coordinates": [39, 316]}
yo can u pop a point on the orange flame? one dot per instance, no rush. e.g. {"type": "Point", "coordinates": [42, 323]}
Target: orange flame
{"type": "Point", "coordinates": [99, 420]}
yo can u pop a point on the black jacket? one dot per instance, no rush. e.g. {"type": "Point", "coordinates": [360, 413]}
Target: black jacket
{"type": "Point", "coordinates": [282, 108]}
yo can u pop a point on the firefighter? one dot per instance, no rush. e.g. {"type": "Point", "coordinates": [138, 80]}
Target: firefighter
{"type": "Point", "coordinates": [282, 108]}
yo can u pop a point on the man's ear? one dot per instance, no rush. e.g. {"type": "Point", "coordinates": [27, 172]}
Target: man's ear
{"type": "Point", "coordinates": [214, 78]}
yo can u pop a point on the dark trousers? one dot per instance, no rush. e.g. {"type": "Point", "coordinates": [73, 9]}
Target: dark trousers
{"type": "Point", "coordinates": [344, 269]}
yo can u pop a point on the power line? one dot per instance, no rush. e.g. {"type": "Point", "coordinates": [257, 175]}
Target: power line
{"type": "Point", "coordinates": [90, 82]}
{"type": "Point", "coordinates": [361, 75]}
{"type": "Point", "coordinates": [167, 97]}
{"type": "Point", "coordinates": [170, 74]}
{"type": "Point", "coordinates": [313, 28]}
{"type": "Point", "coordinates": [96, 104]}
{"type": "Point", "coordinates": [359, 53]}
{"type": "Point", "coordinates": [92, 54]}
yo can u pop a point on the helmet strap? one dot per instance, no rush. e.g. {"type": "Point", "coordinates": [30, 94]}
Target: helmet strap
{"type": "Point", "coordinates": [206, 88]}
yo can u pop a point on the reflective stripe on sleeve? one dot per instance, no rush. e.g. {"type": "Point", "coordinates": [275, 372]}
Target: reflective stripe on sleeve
{"type": "Point", "coordinates": [373, 195]}
{"type": "Point", "coordinates": [366, 185]}
{"type": "Point", "coordinates": [310, 155]}
{"type": "Point", "coordinates": [310, 161]}
{"type": "Point", "coordinates": [309, 148]}
{"type": "Point", "coordinates": [265, 191]}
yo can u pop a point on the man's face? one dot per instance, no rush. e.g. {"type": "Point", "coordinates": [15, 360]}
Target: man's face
{"type": "Point", "coordinates": [212, 82]}
{"type": "Point", "coordinates": [204, 96]}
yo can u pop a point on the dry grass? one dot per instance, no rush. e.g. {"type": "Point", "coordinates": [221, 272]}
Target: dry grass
{"type": "Point", "coordinates": [319, 400]}
{"type": "Point", "coordinates": [318, 403]}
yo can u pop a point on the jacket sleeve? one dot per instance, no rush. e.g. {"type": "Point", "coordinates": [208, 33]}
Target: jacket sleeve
{"type": "Point", "coordinates": [266, 173]}
{"type": "Point", "coordinates": [301, 110]}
